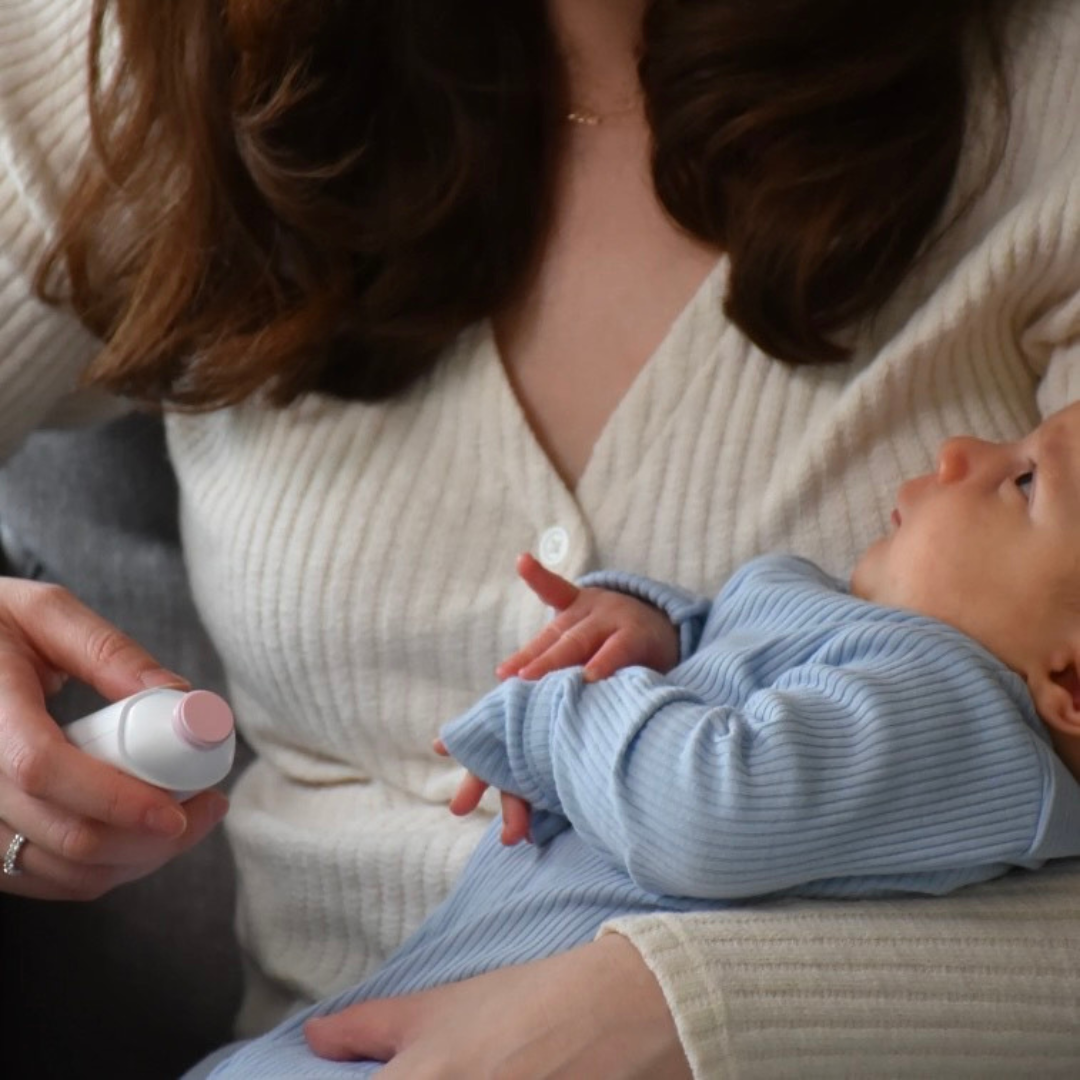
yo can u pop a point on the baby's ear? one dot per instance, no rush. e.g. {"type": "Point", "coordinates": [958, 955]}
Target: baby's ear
{"type": "Point", "coordinates": [1057, 696]}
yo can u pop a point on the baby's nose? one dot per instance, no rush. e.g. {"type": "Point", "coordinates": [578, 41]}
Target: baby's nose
{"type": "Point", "coordinates": [958, 456]}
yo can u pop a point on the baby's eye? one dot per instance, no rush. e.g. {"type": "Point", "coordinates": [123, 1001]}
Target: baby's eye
{"type": "Point", "coordinates": [1025, 482]}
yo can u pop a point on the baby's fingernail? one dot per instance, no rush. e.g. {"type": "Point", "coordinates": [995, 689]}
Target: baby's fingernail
{"type": "Point", "coordinates": [160, 677]}
{"type": "Point", "coordinates": [169, 821]}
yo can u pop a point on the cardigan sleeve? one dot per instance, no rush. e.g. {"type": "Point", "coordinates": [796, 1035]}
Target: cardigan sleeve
{"type": "Point", "coordinates": [981, 984]}
{"type": "Point", "coordinates": [43, 129]}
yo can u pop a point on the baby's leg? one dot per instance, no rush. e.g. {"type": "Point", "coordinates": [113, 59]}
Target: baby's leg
{"type": "Point", "coordinates": [510, 906]}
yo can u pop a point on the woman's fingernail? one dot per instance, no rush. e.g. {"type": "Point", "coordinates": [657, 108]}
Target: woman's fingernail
{"type": "Point", "coordinates": [55, 681]}
{"type": "Point", "coordinates": [161, 677]}
{"type": "Point", "coordinates": [170, 821]}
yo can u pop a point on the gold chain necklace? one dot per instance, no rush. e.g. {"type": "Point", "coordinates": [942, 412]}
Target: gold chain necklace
{"type": "Point", "coordinates": [584, 117]}
{"type": "Point", "coordinates": [579, 114]}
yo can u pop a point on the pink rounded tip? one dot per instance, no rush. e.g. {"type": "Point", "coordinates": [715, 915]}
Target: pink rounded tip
{"type": "Point", "coordinates": [203, 719]}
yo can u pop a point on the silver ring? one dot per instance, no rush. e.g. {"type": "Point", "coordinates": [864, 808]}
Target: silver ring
{"type": "Point", "coordinates": [11, 856]}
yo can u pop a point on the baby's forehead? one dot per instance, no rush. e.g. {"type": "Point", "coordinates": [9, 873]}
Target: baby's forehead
{"type": "Point", "coordinates": [1061, 431]}
{"type": "Point", "coordinates": [1058, 445]}
{"type": "Point", "coordinates": [1066, 419]}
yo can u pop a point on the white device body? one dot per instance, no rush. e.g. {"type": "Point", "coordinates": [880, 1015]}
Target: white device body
{"type": "Point", "coordinates": [142, 736]}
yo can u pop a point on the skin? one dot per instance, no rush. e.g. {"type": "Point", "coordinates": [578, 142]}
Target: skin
{"type": "Point", "coordinates": [614, 271]}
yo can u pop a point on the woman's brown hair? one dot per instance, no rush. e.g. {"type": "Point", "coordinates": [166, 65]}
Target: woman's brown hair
{"type": "Point", "coordinates": [288, 195]}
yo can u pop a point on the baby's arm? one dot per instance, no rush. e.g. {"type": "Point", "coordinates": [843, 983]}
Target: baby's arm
{"type": "Point", "coordinates": [600, 629]}
{"type": "Point", "coordinates": [854, 774]}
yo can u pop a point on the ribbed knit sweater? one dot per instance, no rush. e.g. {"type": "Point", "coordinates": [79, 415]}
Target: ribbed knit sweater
{"type": "Point", "coordinates": [354, 564]}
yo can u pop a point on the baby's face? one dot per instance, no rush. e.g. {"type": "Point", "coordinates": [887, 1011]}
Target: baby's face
{"type": "Point", "coordinates": [990, 542]}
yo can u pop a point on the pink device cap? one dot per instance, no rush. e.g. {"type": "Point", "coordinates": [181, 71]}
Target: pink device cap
{"type": "Point", "coordinates": [203, 719]}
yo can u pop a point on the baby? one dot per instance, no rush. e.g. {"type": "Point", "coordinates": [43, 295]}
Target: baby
{"type": "Point", "coordinates": [913, 732]}
{"type": "Point", "coordinates": [980, 551]}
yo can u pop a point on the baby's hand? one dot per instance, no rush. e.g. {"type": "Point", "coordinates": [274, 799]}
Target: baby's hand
{"type": "Point", "coordinates": [600, 629]}
{"type": "Point", "coordinates": [515, 810]}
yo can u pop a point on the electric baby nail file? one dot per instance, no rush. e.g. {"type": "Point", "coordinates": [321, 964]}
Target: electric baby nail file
{"type": "Point", "coordinates": [179, 740]}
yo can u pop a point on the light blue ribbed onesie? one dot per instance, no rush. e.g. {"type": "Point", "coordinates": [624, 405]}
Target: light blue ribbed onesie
{"type": "Point", "coordinates": [809, 743]}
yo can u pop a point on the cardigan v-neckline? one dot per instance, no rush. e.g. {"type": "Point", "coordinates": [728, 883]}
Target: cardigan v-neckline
{"type": "Point", "coordinates": [654, 392]}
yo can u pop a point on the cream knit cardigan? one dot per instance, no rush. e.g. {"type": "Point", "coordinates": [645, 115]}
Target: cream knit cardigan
{"type": "Point", "coordinates": [354, 565]}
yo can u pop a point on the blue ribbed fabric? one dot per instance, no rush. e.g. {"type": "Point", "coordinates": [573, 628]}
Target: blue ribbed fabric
{"type": "Point", "coordinates": [810, 743]}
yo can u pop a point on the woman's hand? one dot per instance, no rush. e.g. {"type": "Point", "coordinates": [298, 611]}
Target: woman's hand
{"type": "Point", "coordinates": [594, 1011]}
{"type": "Point", "coordinates": [88, 826]}
{"type": "Point", "coordinates": [597, 628]}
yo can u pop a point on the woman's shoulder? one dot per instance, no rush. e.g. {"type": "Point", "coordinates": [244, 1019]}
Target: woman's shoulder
{"type": "Point", "coordinates": [43, 130]}
{"type": "Point", "coordinates": [43, 81]}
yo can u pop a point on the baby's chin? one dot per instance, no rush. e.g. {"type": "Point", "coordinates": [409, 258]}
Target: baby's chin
{"type": "Point", "coordinates": [866, 581]}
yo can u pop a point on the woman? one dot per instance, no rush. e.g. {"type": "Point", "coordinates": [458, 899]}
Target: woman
{"type": "Point", "coordinates": [434, 239]}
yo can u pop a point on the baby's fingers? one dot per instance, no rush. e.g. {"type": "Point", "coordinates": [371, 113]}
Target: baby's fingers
{"type": "Point", "coordinates": [468, 795]}
{"type": "Point", "coordinates": [613, 655]}
{"type": "Point", "coordinates": [540, 644]}
{"type": "Point", "coordinates": [575, 646]}
{"type": "Point", "coordinates": [515, 814]}
{"type": "Point", "coordinates": [553, 590]}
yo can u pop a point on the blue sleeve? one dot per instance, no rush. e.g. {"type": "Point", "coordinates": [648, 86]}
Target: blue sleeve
{"type": "Point", "coordinates": [913, 762]}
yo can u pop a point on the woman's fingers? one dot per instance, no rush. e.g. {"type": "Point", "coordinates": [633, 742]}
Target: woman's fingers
{"type": "Point", "coordinates": [373, 1030]}
{"type": "Point", "coordinates": [88, 826]}
{"type": "Point", "coordinates": [594, 1011]}
{"type": "Point", "coordinates": [45, 634]}
{"type": "Point", "coordinates": [37, 761]}
{"type": "Point", "coordinates": [75, 838]}
{"type": "Point", "coordinates": [66, 858]}
{"type": "Point", "coordinates": [73, 640]}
